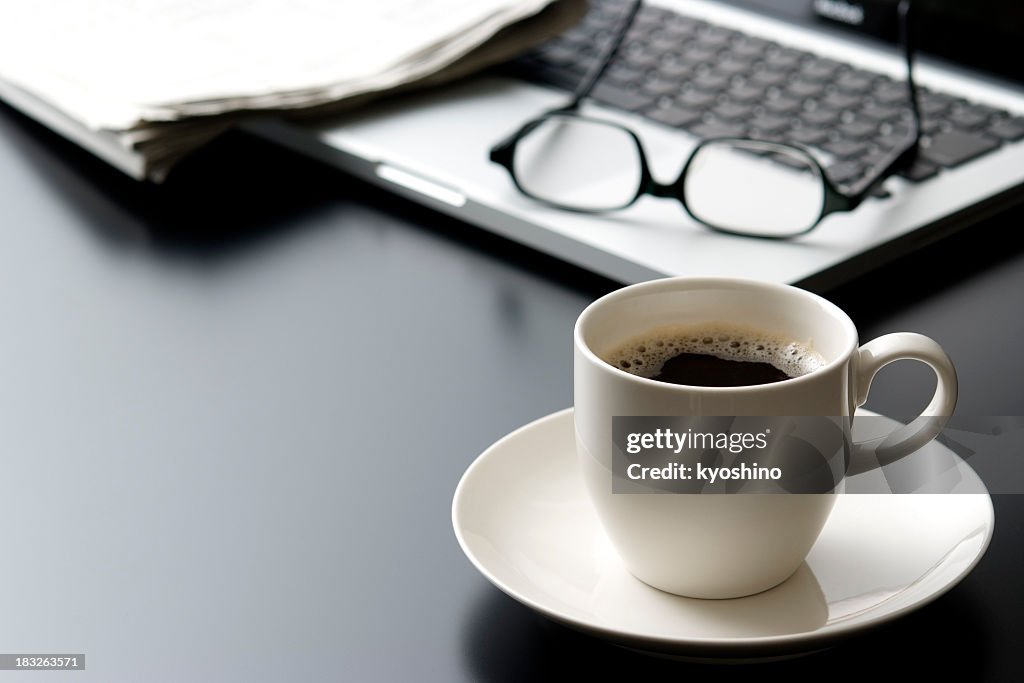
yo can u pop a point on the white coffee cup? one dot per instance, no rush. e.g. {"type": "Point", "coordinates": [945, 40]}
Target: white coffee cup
{"type": "Point", "coordinates": [723, 545]}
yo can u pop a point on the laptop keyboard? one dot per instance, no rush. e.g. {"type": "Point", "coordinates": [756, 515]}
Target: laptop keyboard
{"type": "Point", "coordinates": [713, 81]}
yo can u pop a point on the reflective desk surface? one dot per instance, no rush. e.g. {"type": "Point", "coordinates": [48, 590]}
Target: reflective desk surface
{"type": "Point", "coordinates": [235, 409]}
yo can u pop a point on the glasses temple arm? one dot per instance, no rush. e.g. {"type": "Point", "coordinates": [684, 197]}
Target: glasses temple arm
{"type": "Point", "coordinates": [907, 43]}
{"type": "Point", "coordinates": [909, 152]}
{"type": "Point", "coordinates": [608, 53]}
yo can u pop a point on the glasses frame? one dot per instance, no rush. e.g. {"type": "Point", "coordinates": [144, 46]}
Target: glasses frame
{"type": "Point", "coordinates": [836, 198]}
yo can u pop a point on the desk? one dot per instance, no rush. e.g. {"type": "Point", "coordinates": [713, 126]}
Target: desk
{"type": "Point", "coordinates": [235, 409]}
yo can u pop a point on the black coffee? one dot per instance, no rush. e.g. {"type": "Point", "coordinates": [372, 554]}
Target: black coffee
{"type": "Point", "coordinates": [710, 371]}
{"type": "Point", "coordinates": [714, 355]}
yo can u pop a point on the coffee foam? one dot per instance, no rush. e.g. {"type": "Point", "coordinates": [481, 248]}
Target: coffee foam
{"type": "Point", "coordinates": [644, 355]}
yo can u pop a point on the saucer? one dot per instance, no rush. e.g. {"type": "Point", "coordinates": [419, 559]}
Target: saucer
{"type": "Point", "coordinates": [523, 518]}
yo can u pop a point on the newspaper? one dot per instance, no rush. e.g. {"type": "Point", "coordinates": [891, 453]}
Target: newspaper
{"type": "Point", "coordinates": [161, 77]}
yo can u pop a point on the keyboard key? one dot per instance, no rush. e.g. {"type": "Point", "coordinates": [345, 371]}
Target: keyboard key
{"type": "Point", "coordinates": [558, 54]}
{"type": "Point", "coordinates": [951, 148]}
{"type": "Point", "coordinates": [732, 111]}
{"type": "Point", "coordinates": [695, 54]}
{"type": "Point", "coordinates": [838, 100]}
{"type": "Point", "coordinates": [677, 23]}
{"type": "Point", "coordinates": [639, 58]}
{"type": "Point", "coordinates": [679, 32]}
{"type": "Point", "coordinates": [893, 140]}
{"type": "Point", "coordinates": [678, 117]}
{"type": "Point", "coordinates": [919, 170]}
{"type": "Point", "coordinates": [750, 47]}
{"type": "Point", "coordinates": [982, 110]}
{"type": "Point", "coordinates": [1007, 128]}
{"type": "Point", "coordinates": [877, 112]}
{"type": "Point", "coordinates": [784, 58]}
{"type": "Point", "coordinates": [676, 68]}
{"type": "Point", "coordinates": [710, 82]}
{"type": "Point", "coordinates": [936, 100]}
{"type": "Point", "coordinates": [819, 117]}
{"type": "Point", "coordinates": [718, 129]}
{"type": "Point", "coordinates": [857, 129]}
{"type": "Point", "coordinates": [630, 100]}
{"type": "Point", "coordinates": [636, 36]}
{"type": "Point", "coordinates": [801, 88]}
{"type": "Point", "coordinates": [807, 136]}
{"type": "Point", "coordinates": [891, 93]}
{"type": "Point", "coordinates": [621, 74]}
{"type": "Point", "coordinates": [844, 172]}
{"type": "Point", "coordinates": [845, 149]}
{"type": "Point", "coordinates": [769, 78]}
{"type": "Point", "coordinates": [934, 124]}
{"type": "Point", "coordinates": [768, 124]}
{"type": "Point", "coordinates": [746, 93]}
{"type": "Point", "coordinates": [716, 36]}
{"type": "Point", "coordinates": [932, 106]}
{"type": "Point", "coordinates": [667, 44]}
{"type": "Point", "coordinates": [782, 105]}
{"type": "Point", "coordinates": [873, 160]}
{"type": "Point", "coordinates": [695, 99]}
{"type": "Point", "coordinates": [968, 119]}
{"type": "Point", "coordinates": [732, 67]}
{"type": "Point", "coordinates": [649, 16]}
{"type": "Point", "coordinates": [818, 70]}
{"type": "Point", "coordinates": [579, 35]}
{"type": "Point", "coordinates": [661, 86]}
{"type": "Point", "coordinates": [855, 82]}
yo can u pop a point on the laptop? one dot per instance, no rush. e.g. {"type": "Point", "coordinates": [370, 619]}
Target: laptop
{"type": "Point", "coordinates": [826, 74]}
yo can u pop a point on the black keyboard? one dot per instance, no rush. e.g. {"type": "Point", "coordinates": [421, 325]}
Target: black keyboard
{"type": "Point", "coordinates": [717, 82]}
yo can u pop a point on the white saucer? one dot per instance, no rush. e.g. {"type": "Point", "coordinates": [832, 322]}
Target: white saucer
{"type": "Point", "coordinates": [522, 517]}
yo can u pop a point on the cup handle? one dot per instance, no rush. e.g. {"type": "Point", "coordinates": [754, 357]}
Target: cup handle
{"type": "Point", "coordinates": [871, 358]}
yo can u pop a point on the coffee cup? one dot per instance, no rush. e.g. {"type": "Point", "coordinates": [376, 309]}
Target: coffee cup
{"type": "Point", "coordinates": [723, 545]}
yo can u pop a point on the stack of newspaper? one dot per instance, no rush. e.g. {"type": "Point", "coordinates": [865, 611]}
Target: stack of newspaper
{"type": "Point", "coordinates": [143, 82]}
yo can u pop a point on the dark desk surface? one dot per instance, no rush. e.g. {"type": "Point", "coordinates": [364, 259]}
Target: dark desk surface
{"type": "Point", "coordinates": [235, 409]}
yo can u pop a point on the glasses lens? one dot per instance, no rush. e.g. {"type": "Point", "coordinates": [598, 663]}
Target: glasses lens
{"type": "Point", "coordinates": [578, 163]}
{"type": "Point", "coordinates": [756, 188]}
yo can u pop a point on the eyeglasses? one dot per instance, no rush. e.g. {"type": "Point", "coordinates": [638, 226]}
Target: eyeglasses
{"type": "Point", "coordinates": [740, 186]}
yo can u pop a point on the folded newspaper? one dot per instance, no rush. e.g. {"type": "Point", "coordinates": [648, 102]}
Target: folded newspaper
{"type": "Point", "coordinates": [142, 83]}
